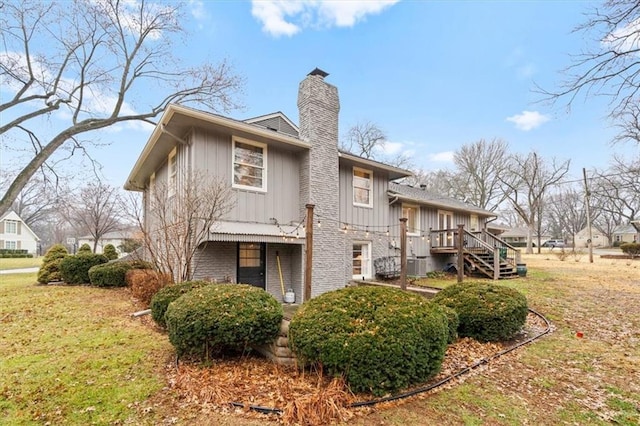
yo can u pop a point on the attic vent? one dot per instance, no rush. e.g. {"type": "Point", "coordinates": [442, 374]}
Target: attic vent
{"type": "Point", "coordinates": [319, 72]}
{"type": "Point", "coordinates": [272, 128]}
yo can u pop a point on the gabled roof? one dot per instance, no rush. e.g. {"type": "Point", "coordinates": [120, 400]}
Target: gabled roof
{"type": "Point", "coordinates": [177, 120]}
{"type": "Point", "coordinates": [625, 229]}
{"type": "Point", "coordinates": [394, 172]}
{"type": "Point", "coordinates": [11, 215]}
{"type": "Point", "coordinates": [277, 122]}
{"type": "Point", "coordinates": [421, 196]}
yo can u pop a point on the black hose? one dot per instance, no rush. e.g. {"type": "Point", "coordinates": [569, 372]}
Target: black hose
{"type": "Point", "coordinates": [268, 410]}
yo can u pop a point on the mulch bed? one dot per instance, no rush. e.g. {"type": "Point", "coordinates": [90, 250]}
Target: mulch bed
{"type": "Point", "coordinates": [304, 397]}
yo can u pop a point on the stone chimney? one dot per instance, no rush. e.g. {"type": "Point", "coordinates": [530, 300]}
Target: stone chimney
{"type": "Point", "coordinates": [319, 106]}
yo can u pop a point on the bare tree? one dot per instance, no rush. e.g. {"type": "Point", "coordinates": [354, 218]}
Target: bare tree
{"type": "Point", "coordinates": [366, 139]}
{"type": "Point", "coordinates": [611, 68]}
{"type": "Point", "coordinates": [616, 191]}
{"type": "Point", "coordinates": [481, 167]}
{"type": "Point", "coordinates": [566, 213]}
{"type": "Point", "coordinates": [532, 177]}
{"type": "Point", "coordinates": [94, 210]}
{"type": "Point", "coordinates": [96, 62]}
{"type": "Point", "coordinates": [176, 225]}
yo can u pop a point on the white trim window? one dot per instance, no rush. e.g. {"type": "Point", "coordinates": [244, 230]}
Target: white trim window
{"type": "Point", "coordinates": [362, 187]}
{"type": "Point", "coordinates": [361, 260]}
{"type": "Point", "coordinates": [412, 213]}
{"type": "Point", "coordinates": [10, 227]}
{"type": "Point", "coordinates": [152, 190]}
{"type": "Point", "coordinates": [249, 165]}
{"type": "Point", "coordinates": [11, 245]}
{"type": "Point", "coordinates": [172, 174]}
{"type": "Point", "coordinates": [473, 222]}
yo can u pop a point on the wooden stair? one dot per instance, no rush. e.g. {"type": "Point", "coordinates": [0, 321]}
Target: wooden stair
{"type": "Point", "coordinates": [479, 263]}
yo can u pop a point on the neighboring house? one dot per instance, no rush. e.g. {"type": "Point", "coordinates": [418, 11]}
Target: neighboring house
{"type": "Point", "coordinates": [16, 235]}
{"type": "Point", "coordinates": [598, 239]}
{"type": "Point", "coordinates": [117, 238]}
{"type": "Point", "coordinates": [276, 171]}
{"type": "Point", "coordinates": [625, 234]}
{"type": "Point", "coordinates": [519, 236]}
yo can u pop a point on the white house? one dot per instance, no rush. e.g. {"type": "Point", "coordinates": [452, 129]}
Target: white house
{"type": "Point", "coordinates": [16, 235]}
{"type": "Point", "coordinates": [598, 238]}
{"type": "Point", "coordinates": [116, 238]}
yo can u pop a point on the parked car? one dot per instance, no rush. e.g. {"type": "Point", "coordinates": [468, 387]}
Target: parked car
{"type": "Point", "coordinates": [554, 243]}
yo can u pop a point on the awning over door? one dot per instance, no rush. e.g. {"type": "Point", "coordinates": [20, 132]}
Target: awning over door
{"type": "Point", "coordinates": [256, 232]}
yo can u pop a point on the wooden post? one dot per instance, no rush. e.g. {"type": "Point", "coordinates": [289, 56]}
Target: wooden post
{"type": "Point", "coordinates": [309, 254]}
{"type": "Point", "coordinates": [460, 253]}
{"type": "Point", "coordinates": [586, 205]}
{"type": "Point", "coordinates": [403, 253]}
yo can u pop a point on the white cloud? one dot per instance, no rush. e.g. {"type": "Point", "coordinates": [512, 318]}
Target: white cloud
{"type": "Point", "coordinates": [442, 157]}
{"type": "Point", "coordinates": [624, 39]}
{"type": "Point", "coordinates": [288, 17]}
{"type": "Point", "coordinates": [392, 148]}
{"type": "Point", "coordinates": [198, 11]}
{"type": "Point", "coordinates": [528, 120]}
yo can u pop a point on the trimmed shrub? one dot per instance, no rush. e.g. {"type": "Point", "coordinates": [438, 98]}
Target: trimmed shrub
{"type": "Point", "coordinates": [110, 274]}
{"type": "Point", "coordinates": [380, 339]}
{"type": "Point", "coordinates": [85, 249]}
{"type": "Point", "coordinates": [50, 268]}
{"type": "Point", "coordinates": [145, 283]}
{"type": "Point", "coordinates": [453, 322]}
{"type": "Point", "coordinates": [160, 301]}
{"type": "Point", "coordinates": [487, 312]}
{"type": "Point", "coordinates": [222, 317]}
{"type": "Point", "coordinates": [75, 269]}
{"type": "Point", "coordinates": [632, 249]}
{"type": "Point", "coordinates": [110, 251]}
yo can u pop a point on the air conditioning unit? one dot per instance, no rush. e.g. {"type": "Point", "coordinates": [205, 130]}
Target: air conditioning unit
{"type": "Point", "coordinates": [417, 267]}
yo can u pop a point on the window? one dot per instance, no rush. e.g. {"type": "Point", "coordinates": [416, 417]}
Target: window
{"type": "Point", "coordinates": [473, 223]}
{"type": "Point", "coordinates": [249, 165]}
{"type": "Point", "coordinates": [172, 173]}
{"type": "Point", "coordinates": [10, 227]}
{"type": "Point", "coordinates": [152, 189]}
{"type": "Point", "coordinates": [362, 184]}
{"type": "Point", "coordinates": [412, 213]}
{"type": "Point", "coordinates": [361, 260]}
{"type": "Point", "coordinates": [249, 255]}
{"type": "Point", "coordinates": [12, 245]}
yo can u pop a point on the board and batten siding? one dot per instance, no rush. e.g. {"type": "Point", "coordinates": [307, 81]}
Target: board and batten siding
{"type": "Point", "coordinates": [377, 216]}
{"type": "Point", "coordinates": [212, 153]}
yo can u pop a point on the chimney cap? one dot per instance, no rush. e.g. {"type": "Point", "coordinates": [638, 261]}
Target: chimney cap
{"type": "Point", "coordinates": [318, 71]}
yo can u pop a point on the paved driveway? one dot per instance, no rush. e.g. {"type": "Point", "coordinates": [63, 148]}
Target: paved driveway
{"type": "Point", "coordinates": [19, 271]}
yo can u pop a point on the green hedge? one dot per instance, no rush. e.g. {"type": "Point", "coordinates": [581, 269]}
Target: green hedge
{"type": "Point", "coordinates": [110, 251]}
{"type": "Point", "coordinates": [110, 274]}
{"type": "Point", "coordinates": [50, 268]}
{"type": "Point", "coordinates": [16, 256]}
{"type": "Point", "coordinates": [160, 301]}
{"type": "Point", "coordinates": [380, 339]}
{"type": "Point", "coordinates": [75, 269]}
{"type": "Point", "coordinates": [487, 312]}
{"type": "Point", "coordinates": [632, 249]}
{"type": "Point", "coordinates": [221, 317]}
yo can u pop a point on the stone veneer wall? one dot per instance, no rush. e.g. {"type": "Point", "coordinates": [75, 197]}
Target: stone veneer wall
{"type": "Point", "coordinates": [319, 106]}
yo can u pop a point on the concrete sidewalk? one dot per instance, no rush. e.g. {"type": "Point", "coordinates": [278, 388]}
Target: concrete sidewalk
{"type": "Point", "coordinates": [19, 271]}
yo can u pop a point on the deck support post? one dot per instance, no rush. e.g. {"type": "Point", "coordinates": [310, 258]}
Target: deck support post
{"type": "Point", "coordinates": [309, 253]}
{"type": "Point", "coordinates": [403, 253]}
{"type": "Point", "coordinates": [460, 253]}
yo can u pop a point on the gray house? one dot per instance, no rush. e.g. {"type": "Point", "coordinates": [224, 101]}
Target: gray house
{"type": "Point", "coordinates": [276, 170]}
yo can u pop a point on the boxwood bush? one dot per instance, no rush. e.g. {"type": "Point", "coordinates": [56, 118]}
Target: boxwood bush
{"type": "Point", "coordinates": [379, 339]}
{"type": "Point", "coordinates": [222, 317]}
{"type": "Point", "coordinates": [75, 269]}
{"type": "Point", "coordinates": [50, 268]}
{"type": "Point", "coordinates": [487, 312]}
{"type": "Point", "coordinates": [110, 274]}
{"type": "Point", "coordinates": [160, 301]}
{"type": "Point", "coordinates": [632, 249]}
{"type": "Point", "coordinates": [110, 251]}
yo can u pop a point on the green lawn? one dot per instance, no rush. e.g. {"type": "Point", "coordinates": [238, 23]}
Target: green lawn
{"type": "Point", "coordinates": [73, 355]}
{"type": "Point", "coordinates": [17, 263]}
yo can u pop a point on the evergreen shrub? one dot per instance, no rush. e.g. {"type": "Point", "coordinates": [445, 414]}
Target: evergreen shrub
{"type": "Point", "coordinates": [75, 269]}
{"type": "Point", "coordinates": [379, 339]}
{"type": "Point", "coordinates": [110, 251]}
{"type": "Point", "coordinates": [487, 312]}
{"type": "Point", "coordinates": [160, 301]}
{"type": "Point", "coordinates": [110, 274]}
{"type": "Point", "coordinates": [50, 268]}
{"type": "Point", "coordinates": [85, 249]}
{"type": "Point", "coordinates": [632, 249]}
{"type": "Point", "coordinates": [145, 283]}
{"type": "Point", "coordinates": [218, 318]}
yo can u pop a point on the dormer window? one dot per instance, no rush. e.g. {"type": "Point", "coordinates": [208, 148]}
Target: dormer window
{"type": "Point", "coordinates": [249, 165]}
{"type": "Point", "coordinates": [362, 185]}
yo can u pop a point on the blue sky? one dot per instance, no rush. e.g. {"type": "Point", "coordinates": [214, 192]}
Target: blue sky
{"type": "Point", "coordinates": [433, 75]}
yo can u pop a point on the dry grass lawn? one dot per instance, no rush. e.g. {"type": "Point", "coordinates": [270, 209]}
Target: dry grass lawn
{"type": "Point", "coordinates": [53, 337]}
